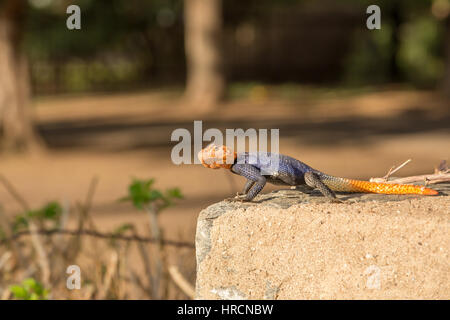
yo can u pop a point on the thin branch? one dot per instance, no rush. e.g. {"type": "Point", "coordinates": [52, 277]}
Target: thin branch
{"type": "Point", "coordinates": [59, 243]}
{"type": "Point", "coordinates": [134, 278]}
{"type": "Point", "coordinates": [90, 194]}
{"type": "Point", "coordinates": [146, 262]}
{"type": "Point", "coordinates": [35, 239]}
{"type": "Point", "coordinates": [97, 234]}
{"type": "Point", "coordinates": [442, 168]}
{"type": "Point", "coordinates": [392, 170]}
{"type": "Point", "coordinates": [110, 272]}
{"type": "Point", "coordinates": [74, 246]}
{"type": "Point", "coordinates": [4, 258]}
{"type": "Point", "coordinates": [440, 175]}
{"type": "Point", "coordinates": [427, 178]}
{"type": "Point", "coordinates": [181, 282]}
{"type": "Point", "coordinates": [156, 233]}
{"type": "Point", "coordinates": [44, 264]}
{"type": "Point", "coordinates": [87, 205]}
{"type": "Point", "coordinates": [17, 251]}
{"type": "Point", "coordinates": [89, 291]}
{"type": "Point", "coordinates": [15, 194]}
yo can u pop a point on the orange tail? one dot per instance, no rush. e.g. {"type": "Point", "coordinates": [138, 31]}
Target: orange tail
{"type": "Point", "coordinates": [390, 188]}
{"type": "Point", "coordinates": [350, 185]}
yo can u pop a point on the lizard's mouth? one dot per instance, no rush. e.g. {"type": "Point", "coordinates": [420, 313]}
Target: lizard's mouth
{"type": "Point", "coordinates": [215, 157]}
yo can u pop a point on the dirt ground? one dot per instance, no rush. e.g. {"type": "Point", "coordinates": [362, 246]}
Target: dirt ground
{"type": "Point", "coordinates": [118, 137]}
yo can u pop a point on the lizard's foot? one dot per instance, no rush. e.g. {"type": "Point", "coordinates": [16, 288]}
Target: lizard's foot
{"type": "Point", "coordinates": [238, 198]}
{"type": "Point", "coordinates": [336, 200]}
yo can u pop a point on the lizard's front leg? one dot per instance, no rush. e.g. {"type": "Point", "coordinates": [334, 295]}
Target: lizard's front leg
{"type": "Point", "coordinates": [241, 195]}
{"type": "Point", "coordinates": [254, 184]}
{"type": "Point", "coordinates": [247, 187]}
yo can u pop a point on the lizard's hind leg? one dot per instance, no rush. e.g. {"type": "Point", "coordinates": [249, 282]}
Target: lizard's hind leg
{"type": "Point", "coordinates": [313, 180]}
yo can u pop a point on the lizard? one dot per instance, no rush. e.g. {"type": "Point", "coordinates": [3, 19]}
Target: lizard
{"type": "Point", "coordinates": [260, 168]}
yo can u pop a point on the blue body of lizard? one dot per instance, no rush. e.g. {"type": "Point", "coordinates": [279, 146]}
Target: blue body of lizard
{"type": "Point", "coordinates": [260, 168]}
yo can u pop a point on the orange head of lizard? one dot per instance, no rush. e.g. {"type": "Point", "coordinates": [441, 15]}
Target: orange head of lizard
{"type": "Point", "coordinates": [216, 157]}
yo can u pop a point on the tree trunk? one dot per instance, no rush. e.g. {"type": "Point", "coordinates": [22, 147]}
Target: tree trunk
{"type": "Point", "coordinates": [203, 25]}
{"type": "Point", "coordinates": [396, 16]}
{"type": "Point", "coordinates": [446, 80]}
{"type": "Point", "coordinates": [16, 129]}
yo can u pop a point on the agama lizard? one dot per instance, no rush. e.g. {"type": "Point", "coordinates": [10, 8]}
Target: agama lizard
{"type": "Point", "coordinates": [260, 168]}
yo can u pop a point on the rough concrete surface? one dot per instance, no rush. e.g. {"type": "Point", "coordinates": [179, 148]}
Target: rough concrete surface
{"type": "Point", "coordinates": [291, 245]}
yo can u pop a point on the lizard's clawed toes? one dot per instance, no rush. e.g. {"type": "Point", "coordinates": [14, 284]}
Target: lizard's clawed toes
{"type": "Point", "coordinates": [238, 198]}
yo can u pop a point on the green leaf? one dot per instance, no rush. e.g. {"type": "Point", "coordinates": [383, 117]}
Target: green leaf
{"type": "Point", "coordinates": [21, 221]}
{"type": "Point", "coordinates": [154, 195]}
{"type": "Point", "coordinates": [33, 296]}
{"type": "Point", "coordinates": [141, 193]}
{"type": "Point", "coordinates": [29, 283]}
{"type": "Point", "coordinates": [51, 211]}
{"type": "Point", "coordinates": [149, 183]}
{"type": "Point", "coordinates": [29, 289]}
{"type": "Point", "coordinates": [125, 199]}
{"type": "Point", "coordinates": [175, 193]}
{"type": "Point", "coordinates": [123, 228]}
{"type": "Point", "coordinates": [18, 292]}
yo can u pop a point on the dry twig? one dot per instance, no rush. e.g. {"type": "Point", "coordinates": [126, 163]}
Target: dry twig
{"type": "Point", "coordinates": [14, 193]}
{"type": "Point", "coordinates": [440, 175]}
{"type": "Point", "coordinates": [4, 258]}
{"type": "Point", "coordinates": [110, 272]}
{"type": "Point", "coordinates": [97, 234]}
{"type": "Point", "coordinates": [43, 261]}
{"type": "Point", "coordinates": [181, 282]}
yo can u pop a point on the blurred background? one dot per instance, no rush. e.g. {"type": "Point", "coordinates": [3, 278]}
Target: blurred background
{"type": "Point", "coordinates": [97, 106]}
